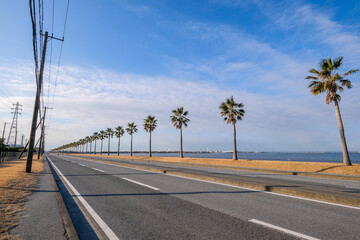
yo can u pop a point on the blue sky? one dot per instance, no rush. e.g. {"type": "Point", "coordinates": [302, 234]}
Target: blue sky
{"type": "Point", "coordinates": [123, 60]}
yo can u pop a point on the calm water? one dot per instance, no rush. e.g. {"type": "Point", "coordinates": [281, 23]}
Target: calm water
{"type": "Point", "coordinates": [278, 156]}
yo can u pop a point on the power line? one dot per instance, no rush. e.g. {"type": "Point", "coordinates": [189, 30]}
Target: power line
{"type": "Point", "coordinates": [58, 67]}
{"type": "Point", "coordinates": [34, 33]}
{"type": "Point", "coordinates": [6, 95]}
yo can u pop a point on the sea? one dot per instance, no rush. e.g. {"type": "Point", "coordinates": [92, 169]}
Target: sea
{"type": "Point", "coordinates": [330, 157]}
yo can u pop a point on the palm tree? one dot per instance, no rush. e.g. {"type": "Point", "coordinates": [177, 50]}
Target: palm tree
{"type": "Point", "coordinates": [90, 140]}
{"type": "Point", "coordinates": [131, 129]}
{"type": "Point", "coordinates": [179, 119]}
{"type": "Point", "coordinates": [101, 137]}
{"type": "Point", "coordinates": [109, 134]}
{"type": "Point", "coordinates": [82, 142]}
{"type": "Point", "coordinates": [95, 137]}
{"type": "Point", "coordinates": [119, 131]}
{"type": "Point", "coordinates": [87, 140]}
{"type": "Point", "coordinates": [150, 124]}
{"type": "Point", "coordinates": [232, 112]}
{"type": "Point", "coordinates": [328, 80]}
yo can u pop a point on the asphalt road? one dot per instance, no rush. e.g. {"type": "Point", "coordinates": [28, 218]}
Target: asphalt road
{"type": "Point", "coordinates": [137, 204]}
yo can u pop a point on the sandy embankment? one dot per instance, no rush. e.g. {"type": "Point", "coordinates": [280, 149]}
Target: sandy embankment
{"type": "Point", "coordinates": [335, 168]}
{"type": "Point", "coordinates": [15, 186]}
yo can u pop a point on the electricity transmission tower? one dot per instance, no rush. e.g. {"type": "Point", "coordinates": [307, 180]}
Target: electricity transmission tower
{"type": "Point", "coordinates": [14, 124]}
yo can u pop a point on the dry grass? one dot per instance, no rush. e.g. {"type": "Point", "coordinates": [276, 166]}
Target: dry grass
{"type": "Point", "coordinates": [336, 168]}
{"type": "Point", "coordinates": [15, 186]}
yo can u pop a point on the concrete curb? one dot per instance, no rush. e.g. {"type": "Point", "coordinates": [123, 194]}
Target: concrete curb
{"type": "Point", "coordinates": [327, 197]}
{"type": "Point", "coordinates": [71, 233]}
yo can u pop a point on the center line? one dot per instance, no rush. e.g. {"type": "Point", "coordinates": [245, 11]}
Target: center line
{"type": "Point", "coordinates": [98, 170]}
{"type": "Point", "coordinates": [283, 230]}
{"type": "Point", "coordinates": [81, 164]}
{"type": "Point", "coordinates": [142, 184]}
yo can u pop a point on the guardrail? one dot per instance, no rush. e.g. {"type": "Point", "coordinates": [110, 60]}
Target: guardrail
{"type": "Point", "coordinates": [6, 156]}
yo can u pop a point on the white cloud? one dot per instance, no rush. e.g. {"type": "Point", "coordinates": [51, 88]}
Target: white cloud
{"type": "Point", "coordinates": [93, 99]}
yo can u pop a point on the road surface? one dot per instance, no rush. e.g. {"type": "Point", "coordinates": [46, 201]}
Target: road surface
{"type": "Point", "coordinates": [135, 204]}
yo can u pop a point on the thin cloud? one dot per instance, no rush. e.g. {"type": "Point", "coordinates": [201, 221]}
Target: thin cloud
{"type": "Point", "coordinates": [92, 99]}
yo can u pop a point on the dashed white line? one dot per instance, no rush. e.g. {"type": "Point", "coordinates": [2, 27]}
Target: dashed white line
{"type": "Point", "coordinates": [234, 186]}
{"type": "Point", "coordinates": [283, 230]}
{"type": "Point", "coordinates": [98, 170]}
{"type": "Point", "coordinates": [81, 164]}
{"type": "Point", "coordinates": [142, 184]}
{"type": "Point", "coordinates": [109, 233]}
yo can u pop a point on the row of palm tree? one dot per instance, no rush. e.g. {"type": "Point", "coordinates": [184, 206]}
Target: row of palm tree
{"type": "Point", "coordinates": [325, 79]}
{"type": "Point", "coordinates": [150, 123]}
{"type": "Point", "coordinates": [230, 110]}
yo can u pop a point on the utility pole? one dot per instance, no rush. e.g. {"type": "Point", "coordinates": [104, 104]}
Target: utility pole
{"type": "Point", "coordinates": [22, 140]}
{"type": "Point", "coordinates": [41, 145]}
{"type": "Point", "coordinates": [14, 123]}
{"type": "Point", "coordinates": [3, 134]}
{"type": "Point", "coordinates": [36, 107]}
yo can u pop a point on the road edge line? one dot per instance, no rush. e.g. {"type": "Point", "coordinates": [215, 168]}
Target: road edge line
{"type": "Point", "coordinates": [86, 206]}
{"type": "Point", "coordinates": [71, 233]}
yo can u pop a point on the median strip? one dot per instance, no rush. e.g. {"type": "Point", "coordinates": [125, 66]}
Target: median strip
{"type": "Point", "coordinates": [296, 234]}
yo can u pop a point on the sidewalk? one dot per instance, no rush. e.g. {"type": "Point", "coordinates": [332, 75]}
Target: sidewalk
{"type": "Point", "coordinates": [41, 219]}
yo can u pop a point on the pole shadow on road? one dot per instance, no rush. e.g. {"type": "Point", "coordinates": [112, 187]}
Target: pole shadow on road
{"type": "Point", "coordinates": [164, 194]}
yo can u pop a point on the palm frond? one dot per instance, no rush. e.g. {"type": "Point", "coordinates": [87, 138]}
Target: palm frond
{"type": "Point", "coordinates": [346, 83]}
{"type": "Point", "coordinates": [231, 111]}
{"type": "Point", "coordinates": [337, 62]}
{"type": "Point", "coordinates": [311, 77]}
{"type": "Point", "coordinates": [330, 82]}
{"type": "Point", "coordinates": [350, 72]}
{"type": "Point", "coordinates": [313, 71]}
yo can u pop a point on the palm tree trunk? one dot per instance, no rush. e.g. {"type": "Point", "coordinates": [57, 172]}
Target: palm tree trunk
{"type": "Point", "coordinates": [109, 146]}
{"type": "Point", "coordinates": [131, 146]}
{"type": "Point", "coordinates": [346, 157]}
{"type": "Point", "coordinates": [90, 148]}
{"type": "Point", "coordinates": [150, 145]}
{"type": "Point", "coordinates": [95, 148]}
{"type": "Point", "coordinates": [119, 147]}
{"type": "Point", "coordinates": [181, 144]}
{"type": "Point", "coordinates": [235, 149]}
{"type": "Point", "coordinates": [101, 146]}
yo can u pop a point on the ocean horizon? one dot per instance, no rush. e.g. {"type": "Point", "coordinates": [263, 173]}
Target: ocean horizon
{"type": "Point", "coordinates": [331, 157]}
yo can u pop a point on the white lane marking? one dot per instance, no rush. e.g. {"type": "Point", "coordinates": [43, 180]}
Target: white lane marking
{"type": "Point", "coordinates": [283, 230]}
{"type": "Point", "coordinates": [234, 186]}
{"type": "Point", "coordinates": [81, 164]}
{"type": "Point", "coordinates": [142, 184]}
{"type": "Point", "coordinates": [98, 170]}
{"type": "Point", "coordinates": [279, 194]}
{"type": "Point", "coordinates": [109, 233]}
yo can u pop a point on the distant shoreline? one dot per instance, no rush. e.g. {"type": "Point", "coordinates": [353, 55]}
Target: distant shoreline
{"type": "Point", "coordinates": [215, 152]}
